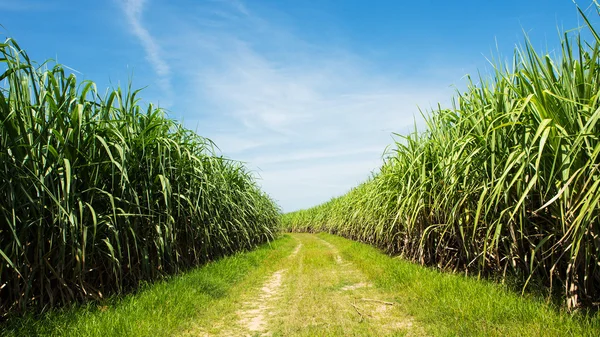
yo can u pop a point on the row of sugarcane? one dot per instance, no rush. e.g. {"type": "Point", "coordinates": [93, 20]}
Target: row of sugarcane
{"type": "Point", "coordinates": [98, 193]}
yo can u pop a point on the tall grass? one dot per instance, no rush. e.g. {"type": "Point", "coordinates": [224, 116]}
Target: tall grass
{"type": "Point", "coordinates": [505, 182]}
{"type": "Point", "coordinates": [97, 194]}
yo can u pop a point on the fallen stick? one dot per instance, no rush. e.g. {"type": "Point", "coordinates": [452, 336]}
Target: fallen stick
{"type": "Point", "coordinates": [379, 301]}
{"type": "Point", "coordinates": [362, 317]}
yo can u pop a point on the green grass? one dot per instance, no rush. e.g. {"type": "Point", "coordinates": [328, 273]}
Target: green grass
{"type": "Point", "coordinates": [163, 308]}
{"type": "Point", "coordinates": [505, 184]}
{"type": "Point", "coordinates": [454, 305]}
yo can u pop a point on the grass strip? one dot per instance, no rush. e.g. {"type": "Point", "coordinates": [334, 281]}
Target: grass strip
{"type": "Point", "coordinates": [328, 296]}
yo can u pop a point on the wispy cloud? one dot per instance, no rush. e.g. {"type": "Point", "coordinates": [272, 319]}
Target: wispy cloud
{"type": "Point", "coordinates": [237, 5]}
{"type": "Point", "coordinates": [133, 12]}
{"type": "Point", "coordinates": [312, 119]}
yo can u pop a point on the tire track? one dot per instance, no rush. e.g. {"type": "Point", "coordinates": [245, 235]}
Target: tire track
{"type": "Point", "coordinates": [255, 313]}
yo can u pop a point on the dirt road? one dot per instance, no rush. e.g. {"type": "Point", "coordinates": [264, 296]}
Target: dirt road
{"type": "Point", "coordinates": [313, 292]}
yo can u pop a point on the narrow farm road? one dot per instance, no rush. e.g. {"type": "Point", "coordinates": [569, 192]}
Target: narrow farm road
{"type": "Point", "coordinates": [312, 292]}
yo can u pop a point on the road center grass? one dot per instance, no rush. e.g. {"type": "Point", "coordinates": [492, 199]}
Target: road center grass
{"type": "Point", "coordinates": [162, 308]}
{"type": "Point", "coordinates": [451, 304]}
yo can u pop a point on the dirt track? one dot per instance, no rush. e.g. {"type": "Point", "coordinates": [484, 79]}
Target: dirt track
{"type": "Point", "coordinates": [315, 291]}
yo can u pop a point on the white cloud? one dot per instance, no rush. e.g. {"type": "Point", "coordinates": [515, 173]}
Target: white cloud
{"type": "Point", "coordinates": [133, 11]}
{"type": "Point", "coordinates": [312, 120]}
{"type": "Point", "coordinates": [237, 5]}
{"type": "Point", "coordinates": [303, 155]}
{"type": "Point", "coordinates": [316, 131]}
{"type": "Point", "coordinates": [312, 183]}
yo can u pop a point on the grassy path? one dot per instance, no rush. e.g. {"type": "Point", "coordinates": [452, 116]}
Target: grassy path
{"type": "Point", "coordinates": [313, 292]}
{"type": "Point", "coordinates": [314, 285]}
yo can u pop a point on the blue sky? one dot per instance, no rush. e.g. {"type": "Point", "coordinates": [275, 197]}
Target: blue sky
{"type": "Point", "coordinates": [307, 93]}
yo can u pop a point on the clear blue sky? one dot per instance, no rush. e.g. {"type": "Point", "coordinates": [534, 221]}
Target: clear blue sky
{"type": "Point", "coordinates": [307, 93]}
